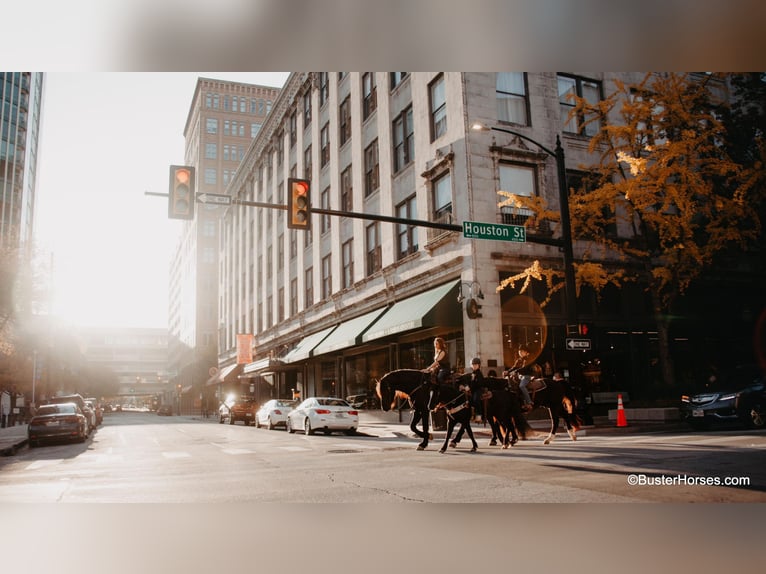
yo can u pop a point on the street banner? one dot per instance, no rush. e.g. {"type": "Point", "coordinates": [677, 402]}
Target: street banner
{"type": "Point", "coordinates": [244, 349]}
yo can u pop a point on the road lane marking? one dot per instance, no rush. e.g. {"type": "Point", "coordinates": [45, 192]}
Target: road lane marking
{"type": "Point", "coordinates": [178, 454]}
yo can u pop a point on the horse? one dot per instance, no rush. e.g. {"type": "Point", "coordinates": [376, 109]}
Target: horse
{"type": "Point", "coordinates": [457, 404]}
{"type": "Point", "coordinates": [502, 410]}
{"type": "Point", "coordinates": [558, 398]}
{"type": "Point", "coordinates": [414, 385]}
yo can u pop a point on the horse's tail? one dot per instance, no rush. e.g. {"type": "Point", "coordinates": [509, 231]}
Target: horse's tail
{"type": "Point", "coordinates": [568, 402]}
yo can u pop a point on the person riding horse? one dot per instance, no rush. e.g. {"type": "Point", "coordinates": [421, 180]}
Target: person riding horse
{"type": "Point", "coordinates": [439, 369]}
{"type": "Point", "coordinates": [524, 368]}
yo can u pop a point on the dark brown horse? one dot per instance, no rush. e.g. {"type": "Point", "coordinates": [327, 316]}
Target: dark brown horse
{"type": "Point", "coordinates": [416, 386]}
{"type": "Point", "coordinates": [558, 398]}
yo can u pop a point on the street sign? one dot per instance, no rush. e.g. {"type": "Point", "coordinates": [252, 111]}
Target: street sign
{"type": "Point", "coordinates": [578, 344]}
{"type": "Point", "coordinates": [216, 198]}
{"type": "Point", "coordinates": [497, 231]}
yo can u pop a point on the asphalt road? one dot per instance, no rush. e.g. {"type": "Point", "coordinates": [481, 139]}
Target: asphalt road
{"type": "Point", "coordinates": [140, 457]}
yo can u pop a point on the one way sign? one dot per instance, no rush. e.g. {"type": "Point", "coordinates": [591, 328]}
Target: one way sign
{"type": "Point", "coordinates": [578, 344]}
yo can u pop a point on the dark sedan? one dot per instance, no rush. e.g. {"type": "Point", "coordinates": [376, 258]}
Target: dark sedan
{"type": "Point", "coordinates": [739, 398]}
{"type": "Point", "coordinates": [63, 421]}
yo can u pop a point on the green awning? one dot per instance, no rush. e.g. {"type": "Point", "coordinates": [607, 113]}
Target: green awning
{"type": "Point", "coordinates": [434, 308]}
{"type": "Point", "coordinates": [348, 333]}
{"type": "Point", "coordinates": [302, 350]}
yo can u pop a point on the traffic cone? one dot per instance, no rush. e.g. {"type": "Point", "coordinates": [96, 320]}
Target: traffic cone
{"type": "Point", "coordinates": [621, 420]}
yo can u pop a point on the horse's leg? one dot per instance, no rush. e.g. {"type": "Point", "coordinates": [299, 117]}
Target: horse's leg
{"type": "Point", "coordinates": [467, 426]}
{"type": "Point", "coordinates": [416, 415]}
{"type": "Point", "coordinates": [424, 443]}
{"type": "Point", "coordinates": [450, 427]}
{"type": "Point", "coordinates": [568, 422]}
{"type": "Point", "coordinates": [495, 426]}
{"type": "Point", "coordinates": [554, 426]}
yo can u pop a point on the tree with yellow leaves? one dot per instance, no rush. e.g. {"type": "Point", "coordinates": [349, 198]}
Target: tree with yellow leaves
{"type": "Point", "coordinates": [664, 196]}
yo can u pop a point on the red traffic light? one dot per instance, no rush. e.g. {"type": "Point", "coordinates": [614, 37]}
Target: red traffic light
{"type": "Point", "coordinates": [181, 193]}
{"type": "Point", "coordinates": [299, 204]}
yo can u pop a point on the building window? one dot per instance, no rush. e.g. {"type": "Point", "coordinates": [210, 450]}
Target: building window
{"type": "Point", "coordinates": [369, 94]}
{"type": "Point", "coordinates": [404, 140]}
{"type": "Point", "coordinates": [371, 169]}
{"type": "Point", "coordinates": [325, 145]}
{"type": "Point", "coordinates": [325, 203]}
{"type": "Point", "coordinates": [396, 78]}
{"type": "Point", "coordinates": [373, 248]}
{"type": "Point", "coordinates": [442, 198]}
{"type": "Point", "coordinates": [346, 191]}
{"type": "Point", "coordinates": [438, 107]}
{"type": "Point", "coordinates": [307, 162]}
{"type": "Point", "coordinates": [590, 91]}
{"type": "Point", "coordinates": [326, 276]}
{"type": "Point", "coordinates": [269, 311]}
{"type": "Point", "coordinates": [211, 151]}
{"type": "Point", "coordinates": [306, 109]}
{"type": "Point", "coordinates": [512, 102]}
{"type": "Point", "coordinates": [348, 264]}
{"type": "Point", "coordinates": [344, 120]}
{"type": "Point", "coordinates": [254, 129]}
{"type": "Point", "coordinates": [519, 180]}
{"type": "Point", "coordinates": [308, 278]}
{"type": "Point", "coordinates": [281, 304]}
{"type": "Point", "coordinates": [406, 235]}
{"type": "Point", "coordinates": [211, 176]}
{"type": "Point", "coordinates": [281, 251]}
{"type": "Point", "coordinates": [324, 89]}
{"type": "Point", "coordinates": [211, 126]}
{"type": "Point", "coordinates": [209, 228]}
{"type": "Point", "coordinates": [293, 296]}
{"type": "Point", "coordinates": [293, 128]}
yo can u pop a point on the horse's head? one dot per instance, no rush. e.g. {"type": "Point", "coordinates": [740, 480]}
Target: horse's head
{"type": "Point", "coordinates": [386, 393]}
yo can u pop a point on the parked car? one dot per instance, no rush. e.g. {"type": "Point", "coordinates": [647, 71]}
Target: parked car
{"type": "Point", "coordinates": [80, 402]}
{"type": "Point", "coordinates": [165, 410]}
{"type": "Point", "coordinates": [326, 414]}
{"type": "Point", "coordinates": [738, 397]}
{"type": "Point", "coordinates": [59, 421]}
{"type": "Point", "coordinates": [243, 410]}
{"type": "Point", "coordinates": [224, 411]}
{"type": "Point", "coordinates": [364, 401]}
{"type": "Point", "coordinates": [273, 413]}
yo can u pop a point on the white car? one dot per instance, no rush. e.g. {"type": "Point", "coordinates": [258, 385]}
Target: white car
{"type": "Point", "coordinates": [273, 414]}
{"type": "Point", "coordinates": [324, 414]}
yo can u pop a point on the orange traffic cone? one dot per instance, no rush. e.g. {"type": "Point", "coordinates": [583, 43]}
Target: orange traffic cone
{"type": "Point", "coordinates": [621, 420]}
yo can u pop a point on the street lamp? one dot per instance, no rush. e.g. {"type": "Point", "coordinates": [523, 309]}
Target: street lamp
{"type": "Point", "coordinates": [566, 228]}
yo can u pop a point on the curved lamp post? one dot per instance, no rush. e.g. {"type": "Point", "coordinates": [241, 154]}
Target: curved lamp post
{"type": "Point", "coordinates": [566, 228]}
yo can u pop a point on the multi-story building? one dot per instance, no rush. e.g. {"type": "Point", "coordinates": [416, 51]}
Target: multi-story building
{"type": "Point", "coordinates": [334, 308]}
{"type": "Point", "coordinates": [223, 119]}
{"type": "Point", "coordinates": [21, 97]}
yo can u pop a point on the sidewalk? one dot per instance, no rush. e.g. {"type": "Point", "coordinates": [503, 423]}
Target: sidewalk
{"type": "Point", "coordinates": [12, 439]}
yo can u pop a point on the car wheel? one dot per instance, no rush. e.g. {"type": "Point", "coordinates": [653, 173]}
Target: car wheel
{"type": "Point", "coordinates": [257, 423]}
{"type": "Point", "coordinates": [350, 432]}
{"type": "Point", "coordinates": [289, 426]}
{"type": "Point", "coordinates": [33, 443]}
{"type": "Point", "coordinates": [307, 427]}
{"type": "Point", "coordinates": [756, 417]}
{"type": "Point", "coordinates": [271, 424]}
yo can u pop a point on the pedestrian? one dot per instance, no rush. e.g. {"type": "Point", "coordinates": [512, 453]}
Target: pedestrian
{"type": "Point", "coordinates": [477, 378]}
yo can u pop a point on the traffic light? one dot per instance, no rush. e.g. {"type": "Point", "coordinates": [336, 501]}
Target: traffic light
{"type": "Point", "coordinates": [299, 204]}
{"type": "Point", "coordinates": [181, 200]}
{"type": "Point", "coordinates": [583, 329]}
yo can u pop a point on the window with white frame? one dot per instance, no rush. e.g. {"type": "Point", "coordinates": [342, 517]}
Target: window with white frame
{"type": "Point", "coordinates": [293, 296]}
{"type": "Point", "coordinates": [324, 199]}
{"type": "Point", "coordinates": [211, 151]}
{"type": "Point", "coordinates": [324, 88]}
{"type": "Point", "coordinates": [344, 120]}
{"type": "Point", "coordinates": [211, 175]}
{"type": "Point", "coordinates": [307, 162]}
{"type": "Point", "coordinates": [306, 109]}
{"type": "Point", "coordinates": [346, 192]}
{"type": "Point", "coordinates": [324, 138]}
{"type": "Point", "coordinates": [520, 180]}
{"type": "Point", "coordinates": [211, 125]}
{"type": "Point", "coordinates": [512, 102]}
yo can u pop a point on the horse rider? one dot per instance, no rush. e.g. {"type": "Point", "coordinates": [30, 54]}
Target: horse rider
{"type": "Point", "coordinates": [439, 369]}
{"type": "Point", "coordinates": [477, 378]}
{"type": "Point", "coordinates": [524, 367]}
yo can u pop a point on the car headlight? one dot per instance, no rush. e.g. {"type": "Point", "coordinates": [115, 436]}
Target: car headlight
{"type": "Point", "coordinates": [728, 397]}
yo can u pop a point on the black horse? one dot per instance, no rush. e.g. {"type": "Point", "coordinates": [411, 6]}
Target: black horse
{"type": "Point", "coordinates": [416, 386]}
{"type": "Point", "coordinates": [558, 398]}
{"type": "Point", "coordinates": [502, 410]}
{"type": "Point", "coordinates": [457, 404]}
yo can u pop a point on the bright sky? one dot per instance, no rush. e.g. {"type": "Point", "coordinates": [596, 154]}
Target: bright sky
{"type": "Point", "coordinates": [107, 138]}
